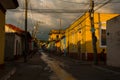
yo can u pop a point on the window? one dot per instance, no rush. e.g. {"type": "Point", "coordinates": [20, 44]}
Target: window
{"type": "Point", "coordinates": [103, 36]}
{"type": "Point", "coordinates": [57, 36]}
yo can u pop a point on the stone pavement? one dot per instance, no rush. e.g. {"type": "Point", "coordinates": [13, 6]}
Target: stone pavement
{"type": "Point", "coordinates": [36, 69]}
{"type": "Point", "coordinates": [7, 70]}
{"type": "Point", "coordinates": [33, 69]}
{"type": "Point", "coordinates": [10, 67]}
{"type": "Point", "coordinates": [84, 70]}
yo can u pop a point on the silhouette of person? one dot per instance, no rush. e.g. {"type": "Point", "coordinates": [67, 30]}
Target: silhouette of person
{"type": "Point", "coordinates": [102, 55]}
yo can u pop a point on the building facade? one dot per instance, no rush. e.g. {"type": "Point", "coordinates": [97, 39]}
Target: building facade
{"type": "Point", "coordinates": [113, 42]}
{"type": "Point", "coordinates": [79, 36]}
{"type": "Point", "coordinates": [15, 42]}
{"type": "Point", "coordinates": [3, 7]}
{"type": "Point", "coordinates": [13, 46]}
{"type": "Point", "coordinates": [55, 44]}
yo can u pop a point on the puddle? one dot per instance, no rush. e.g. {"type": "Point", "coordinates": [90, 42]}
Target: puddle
{"type": "Point", "coordinates": [59, 73]}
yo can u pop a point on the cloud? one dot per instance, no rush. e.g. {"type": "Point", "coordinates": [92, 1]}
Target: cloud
{"type": "Point", "coordinates": [52, 20]}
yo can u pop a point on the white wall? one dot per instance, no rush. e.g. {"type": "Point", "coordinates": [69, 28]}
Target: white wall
{"type": "Point", "coordinates": [113, 42]}
{"type": "Point", "coordinates": [19, 45]}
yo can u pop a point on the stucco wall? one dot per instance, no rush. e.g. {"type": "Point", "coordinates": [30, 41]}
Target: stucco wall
{"type": "Point", "coordinates": [113, 42]}
{"type": "Point", "coordinates": [2, 36]}
{"type": "Point", "coordinates": [13, 46]}
{"type": "Point", "coordinates": [82, 28]}
{"type": "Point", "coordinates": [18, 45]}
{"type": "Point", "coordinates": [9, 46]}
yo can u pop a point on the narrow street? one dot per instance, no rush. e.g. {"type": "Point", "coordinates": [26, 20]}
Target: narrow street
{"type": "Point", "coordinates": [59, 40]}
{"type": "Point", "coordinates": [51, 67]}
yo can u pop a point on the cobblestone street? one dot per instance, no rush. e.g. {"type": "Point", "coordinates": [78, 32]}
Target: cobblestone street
{"type": "Point", "coordinates": [51, 67]}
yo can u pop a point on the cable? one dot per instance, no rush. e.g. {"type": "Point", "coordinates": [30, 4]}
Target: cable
{"type": "Point", "coordinates": [84, 2]}
{"type": "Point", "coordinates": [103, 4]}
{"type": "Point", "coordinates": [19, 20]}
{"type": "Point", "coordinates": [31, 14]}
{"type": "Point", "coordinates": [73, 2]}
{"type": "Point", "coordinates": [94, 10]}
{"type": "Point", "coordinates": [61, 10]}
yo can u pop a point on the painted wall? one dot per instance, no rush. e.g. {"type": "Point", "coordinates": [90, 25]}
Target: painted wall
{"type": "Point", "coordinates": [63, 46]}
{"type": "Point", "coordinates": [9, 46]}
{"type": "Point", "coordinates": [2, 37]}
{"type": "Point", "coordinates": [8, 29]}
{"type": "Point", "coordinates": [3, 7]}
{"type": "Point", "coordinates": [113, 42]}
{"type": "Point", "coordinates": [54, 38]}
{"type": "Point", "coordinates": [79, 38]}
{"type": "Point", "coordinates": [18, 45]}
{"type": "Point", "coordinates": [13, 46]}
{"type": "Point", "coordinates": [55, 34]}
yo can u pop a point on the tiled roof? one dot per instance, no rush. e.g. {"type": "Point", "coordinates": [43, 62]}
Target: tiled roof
{"type": "Point", "coordinates": [15, 28]}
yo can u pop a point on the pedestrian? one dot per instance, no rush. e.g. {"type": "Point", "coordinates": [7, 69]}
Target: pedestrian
{"type": "Point", "coordinates": [102, 55]}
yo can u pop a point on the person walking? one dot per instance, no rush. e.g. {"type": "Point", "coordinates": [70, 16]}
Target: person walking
{"type": "Point", "coordinates": [102, 56]}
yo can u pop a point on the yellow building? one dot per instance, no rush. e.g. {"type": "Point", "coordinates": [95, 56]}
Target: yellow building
{"type": "Point", "coordinates": [3, 7]}
{"type": "Point", "coordinates": [79, 36]}
{"type": "Point", "coordinates": [55, 40]}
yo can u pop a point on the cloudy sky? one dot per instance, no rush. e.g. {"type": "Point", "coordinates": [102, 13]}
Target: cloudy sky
{"type": "Point", "coordinates": [47, 14]}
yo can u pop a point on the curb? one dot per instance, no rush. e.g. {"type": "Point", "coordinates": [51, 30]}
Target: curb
{"type": "Point", "coordinates": [107, 70]}
{"type": "Point", "coordinates": [9, 74]}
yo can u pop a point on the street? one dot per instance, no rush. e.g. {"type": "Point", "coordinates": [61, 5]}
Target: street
{"type": "Point", "coordinates": [51, 67]}
{"type": "Point", "coordinates": [59, 40]}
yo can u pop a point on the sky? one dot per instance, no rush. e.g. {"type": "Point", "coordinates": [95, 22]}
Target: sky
{"type": "Point", "coordinates": [44, 15]}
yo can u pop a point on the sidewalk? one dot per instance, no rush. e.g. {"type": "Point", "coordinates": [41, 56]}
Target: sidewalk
{"type": "Point", "coordinates": [100, 66]}
{"type": "Point", "coordinates": [86, 70]}
{"type": "Point", "coordinates": [7, 70]}
{"type": "Point", "coordinates": [80, 69]}
{"type": "Point", "coordinates": [115, 70]}
{"type": "Point", "coordinates": [33, 69]}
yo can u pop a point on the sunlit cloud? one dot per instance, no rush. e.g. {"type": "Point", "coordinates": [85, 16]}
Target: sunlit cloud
{"type": "Point", "coordinates": [52, 20]}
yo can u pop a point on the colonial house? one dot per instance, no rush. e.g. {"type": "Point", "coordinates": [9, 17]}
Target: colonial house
{"type": "Point", "coordinates": [15, 42]}
{"type": "Point", "coordinates": [3, 7]}
{"type": "Point", "coordinates": [55, 40]}
{"type": "Point", "coordinates": [79, 36]}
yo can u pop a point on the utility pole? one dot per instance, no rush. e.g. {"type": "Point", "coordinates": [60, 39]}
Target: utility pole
{"type": "Point", "coordinates": [36, 28]}
{"type": "Point", "coordinates": [26, 49]}
{"type": "Point", "coordinates": [60, 28]}
{"type": "Point", "coordinates": [94, 38]}
{"type": "Point", "coordinates": [60, 35]}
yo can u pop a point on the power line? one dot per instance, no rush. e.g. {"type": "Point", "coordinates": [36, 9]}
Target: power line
{"type": "Point", "coordinates": [31, 14]}
{"type": "Point", "coordinates": [73, 2]}
{"type": "Point", "coordinates": [62, 10]}
{"type": "Point", "coordinates": [52, 10]}
{"type": "Point", "coordinates": [94, 10]}
{"type": "Point", "coordinates": [86, 2]}
{"type": "Point", "coordinates": [103, 4]}
{"type": "Point", "coordinates": [19, 20]}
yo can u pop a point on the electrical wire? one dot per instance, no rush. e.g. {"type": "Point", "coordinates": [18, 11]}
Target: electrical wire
{"type": "Point", "coordinates": [19, 20]}
{"type": "Point", "coordinates": [64, 10]}
{"type": "Point", "coordinates": [31, 14]}
{"type": "Point", "coordinates": [85, 2]}
{"type": "Point", "coordinates": [73, 2]}
{"type": "Point", "coordinates": [108, 1]}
